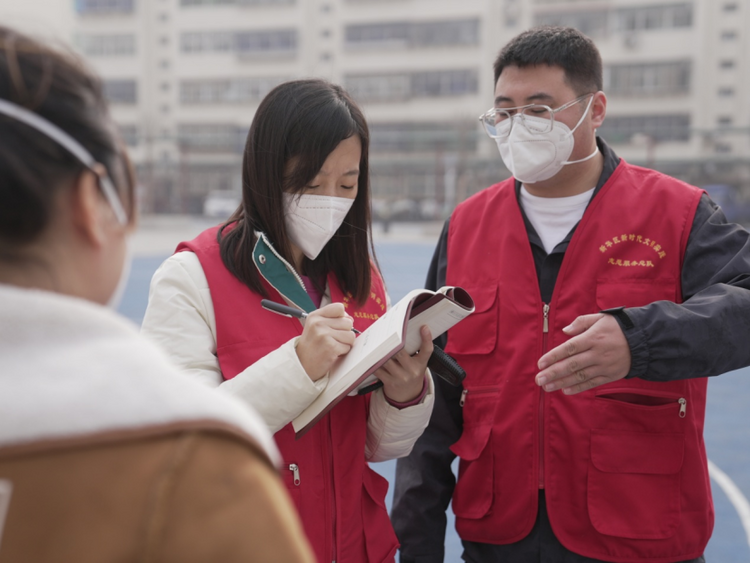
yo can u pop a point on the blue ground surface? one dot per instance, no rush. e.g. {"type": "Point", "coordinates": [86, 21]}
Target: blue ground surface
{"type": "Point", "coordinates": [727, 431]}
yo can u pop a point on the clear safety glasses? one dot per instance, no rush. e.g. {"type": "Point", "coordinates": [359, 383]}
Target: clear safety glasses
{"type": "Point", "coordinates": [498, 122]}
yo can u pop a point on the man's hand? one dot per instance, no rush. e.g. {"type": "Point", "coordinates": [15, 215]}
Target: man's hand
{"type": "Point", "coordinates": [596, 354]}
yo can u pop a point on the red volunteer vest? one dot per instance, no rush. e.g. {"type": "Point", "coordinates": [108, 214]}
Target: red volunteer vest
{"type": "Point", "coordinates": [340, 500]}
{"type": "Point", "coordinates": [624, 464]}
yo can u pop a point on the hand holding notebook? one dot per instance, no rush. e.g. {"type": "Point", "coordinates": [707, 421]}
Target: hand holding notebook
{"type": "Point", "coordinates": [398, 328]}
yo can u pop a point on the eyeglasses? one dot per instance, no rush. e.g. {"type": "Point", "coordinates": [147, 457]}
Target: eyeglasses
{"type": "Point", "coordinates": [498, 123]}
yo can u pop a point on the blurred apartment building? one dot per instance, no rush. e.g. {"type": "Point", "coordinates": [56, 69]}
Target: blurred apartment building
{"type": "Point", "coordinates": [185, 76]}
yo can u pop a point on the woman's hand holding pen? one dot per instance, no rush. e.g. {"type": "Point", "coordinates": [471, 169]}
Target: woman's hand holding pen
{"type": "Point", "coordinates": [403, 375]}
{"type": "Point", "coordinates": [326, 336]}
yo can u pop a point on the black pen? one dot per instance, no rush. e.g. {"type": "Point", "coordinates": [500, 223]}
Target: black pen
{"type": "Point", "coordinates": [288, 311]}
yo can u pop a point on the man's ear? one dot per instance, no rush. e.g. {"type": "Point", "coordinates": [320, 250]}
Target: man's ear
{"type": "Point", "coordinates": [598, 109]}
{"type": "Point", "coordinates": [86, 208]}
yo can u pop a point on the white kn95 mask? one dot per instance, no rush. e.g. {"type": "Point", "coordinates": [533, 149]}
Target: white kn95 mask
{"type": "Point", "coordinates": [312, 220]}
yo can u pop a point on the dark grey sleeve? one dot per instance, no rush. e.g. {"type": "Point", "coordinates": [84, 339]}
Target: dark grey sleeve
{"type": "Point", "coordinates": [708, 333]}
{"type": "Point", "coordinates": [424, 479]}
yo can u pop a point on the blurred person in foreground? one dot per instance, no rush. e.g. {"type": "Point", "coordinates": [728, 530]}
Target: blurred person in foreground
{"type": "Point", "coordinates": [606, 295]}
{"type": "Point", "coordinates": [301, 238]}
{"type": "Point", "coordinates": [107, 453]}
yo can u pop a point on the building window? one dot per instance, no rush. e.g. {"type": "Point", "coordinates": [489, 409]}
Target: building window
{"type": "Point", "coordinates": [164, 40]}
{"type": "Point", "coordinates": [228, 91]}
{"type": "Point", "coordinates": [121, 91]}
{"type": "Point", "coordinates": [385, 87]}
{"type": "Point", "coordinates": [212, 137]}
{"type": "Point", "coordinates": [728, 35]}
{"type": "Point", "coordinates": [726, 64]}
{"type": "Point", "coordinates": [593, 23]}
{"type": "Point", "coordinates": [654, 17]}
{"type": "Point", "coordinates": [722, 148]}
{"type": "Point", "coordinates": [206, 2]}
{"type": "Point", "coordinates": [164, 64]}
{"type": "Point", "coordinates": [444, 83]}
{"type": "Point", "coordinates": [724, 121]}
{"type": "Point", "coordinates": [730, 7]}
{"type": "Point", "coordinates": [236, 2]}
{"type": "Point", "coordinates": [129, 134]}
{"type": "Point", "coordinates": [726, 92]}
{"type": "Point", "coordinates": [657, 79]}
{"type": "Point", "coordinates": [413, 35]}
{"type": "Point", "coordinates": [282, 41]}
{"type": "Point", "coordinates": [660, 128]}
{"type": "Point", "coordinates": [404, 86]}
{"type": "Point", "coordinates": [119, 45]}
{"type": "Point", "coordinates": [422, 137]}
{"type": "Point", "coordinates": [105, 6]}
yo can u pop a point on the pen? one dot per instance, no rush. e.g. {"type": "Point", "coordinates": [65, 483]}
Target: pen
{"type": "Point", "coordinates": [288, 311]}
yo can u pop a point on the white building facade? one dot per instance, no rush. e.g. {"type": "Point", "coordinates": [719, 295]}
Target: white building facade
{"type": "Point", "coordinates": [185, 77]}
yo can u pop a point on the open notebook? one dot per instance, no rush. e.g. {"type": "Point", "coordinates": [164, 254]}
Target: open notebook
{"type": "Point", "coordinates": [398, 328]}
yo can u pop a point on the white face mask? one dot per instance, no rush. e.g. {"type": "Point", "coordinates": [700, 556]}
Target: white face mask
{"type": "Point", "coordinates": [311, 220]}
{"type": "Point", "coordinates": [534, 157]}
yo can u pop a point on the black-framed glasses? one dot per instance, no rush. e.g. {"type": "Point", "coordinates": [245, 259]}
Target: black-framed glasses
{"type": "Point", "coordinates": [498, 122]}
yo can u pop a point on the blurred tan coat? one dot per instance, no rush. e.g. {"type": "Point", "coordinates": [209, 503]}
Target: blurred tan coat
{"type": "Point", "coordinates": [101, 461]}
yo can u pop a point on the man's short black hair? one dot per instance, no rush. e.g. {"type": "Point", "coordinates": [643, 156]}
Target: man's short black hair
{"type": "Point", "coordinates": [564, 47]}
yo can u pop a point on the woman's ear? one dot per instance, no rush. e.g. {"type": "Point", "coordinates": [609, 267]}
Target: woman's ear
{"type": "Point", "coordinates": [88, 209]}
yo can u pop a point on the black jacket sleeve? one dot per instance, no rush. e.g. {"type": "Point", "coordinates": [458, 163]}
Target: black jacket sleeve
{"type": "Point", "coordinates": [424, 479]}
{"type": "Point", "coordinates": [708, 333]}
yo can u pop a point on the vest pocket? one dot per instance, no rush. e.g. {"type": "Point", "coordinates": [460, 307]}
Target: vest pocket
{"type": "Point", "coordinates": [634, 293]}
{"type": "Point", "coordinates": [634, 483]}
{"type": "Point", "coordinates": [477, 333]}
{"type": "Point", "coordinates": [472, 497]}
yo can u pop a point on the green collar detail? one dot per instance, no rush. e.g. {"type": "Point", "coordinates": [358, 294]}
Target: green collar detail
{"type": "Point", "coordinates": [280, 274]}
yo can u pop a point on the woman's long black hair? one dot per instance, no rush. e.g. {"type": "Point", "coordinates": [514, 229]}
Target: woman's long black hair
{"type": "Point", "coordinates": [297, 125]}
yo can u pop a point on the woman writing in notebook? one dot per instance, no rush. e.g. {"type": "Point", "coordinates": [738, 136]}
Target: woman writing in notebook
{"type": "Point", "coordinates": [300, 238]}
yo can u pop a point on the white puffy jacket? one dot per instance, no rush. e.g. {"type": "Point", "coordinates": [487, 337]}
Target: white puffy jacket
{"type": "Point", "coordinates": [180, 319]}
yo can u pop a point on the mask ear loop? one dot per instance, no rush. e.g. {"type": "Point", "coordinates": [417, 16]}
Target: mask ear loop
{"type": "Point", "coordinates": [596, 148]}
{"type": "Point", "coordinates": [73, 147]}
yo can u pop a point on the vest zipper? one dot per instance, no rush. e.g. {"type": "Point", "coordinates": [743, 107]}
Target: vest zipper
{"type": "Point", "coordinates": [294, 468]}
{"type": "Point", "coordinates": [683, 407]}
{"type": "Point", "coordinates": [475, 391]}
{"type": "Point", "coordinates": [542, 392]}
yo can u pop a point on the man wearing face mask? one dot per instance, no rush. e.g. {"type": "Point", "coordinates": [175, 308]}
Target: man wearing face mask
{"type": "Point", "coordinates": [604, 294]}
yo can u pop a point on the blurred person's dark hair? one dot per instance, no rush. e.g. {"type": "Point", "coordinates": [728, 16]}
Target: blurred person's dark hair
{"type": "Point", "coordinates": [53, 83]}
{"type": "Point", "coordinates": [297, 125]}
{"type": "Point", "coordinates": [564, 47]}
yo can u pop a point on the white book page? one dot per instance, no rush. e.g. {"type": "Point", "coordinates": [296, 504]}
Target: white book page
{"type": "Point", "coordinates": [440, 317]}
{"type": "Point", "coordinates": [380, 337]}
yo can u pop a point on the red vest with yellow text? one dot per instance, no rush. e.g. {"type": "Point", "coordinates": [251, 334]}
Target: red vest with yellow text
{"type": "Point", "coordinates": [340, 500]}
{"type": "Point", "coordinates": [623, 465]}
